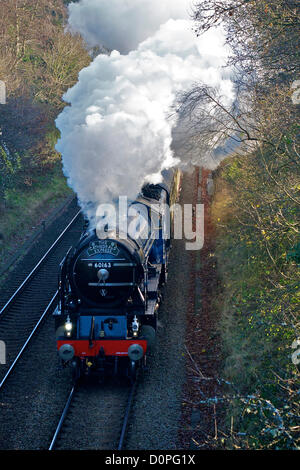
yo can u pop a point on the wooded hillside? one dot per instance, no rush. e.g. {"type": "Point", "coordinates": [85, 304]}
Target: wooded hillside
{"type": "Point", "coordinates": [256, 212]}
{"type": "Point", "coordinates": [39, 61]}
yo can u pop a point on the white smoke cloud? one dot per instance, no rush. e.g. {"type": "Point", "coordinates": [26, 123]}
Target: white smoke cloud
{"type": "Point", "coordinates": [117, 131]}
{"type": "Point", "coordinates": [123, 24]}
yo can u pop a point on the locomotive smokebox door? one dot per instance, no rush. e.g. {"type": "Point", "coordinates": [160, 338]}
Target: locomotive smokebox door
{"type": "Point", "coordinates": [104, 272]}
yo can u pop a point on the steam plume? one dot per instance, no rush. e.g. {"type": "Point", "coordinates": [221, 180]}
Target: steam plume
{"type": "Point", "coordinates": [117, 131]}
{"type": "Point", "coordinates": [123, 24]}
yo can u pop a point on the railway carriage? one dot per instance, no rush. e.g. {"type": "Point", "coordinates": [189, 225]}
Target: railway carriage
{"type": "Point", "coordinates": [109, 291]}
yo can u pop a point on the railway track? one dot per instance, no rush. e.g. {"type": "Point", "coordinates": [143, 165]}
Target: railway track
{"type": "Point", "coordinates": [31, 302]}
{"type": "Point", "coordinates": [21, 317]}
{"type": "Point", "coordinates": [98, 412]}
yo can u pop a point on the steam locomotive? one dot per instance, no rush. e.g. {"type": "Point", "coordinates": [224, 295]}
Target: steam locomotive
{"type": "Point", "coordinates": [109, 291]}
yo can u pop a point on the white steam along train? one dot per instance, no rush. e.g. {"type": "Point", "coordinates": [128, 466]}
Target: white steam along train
{"type": "Point", "coordinates": [109, 292]}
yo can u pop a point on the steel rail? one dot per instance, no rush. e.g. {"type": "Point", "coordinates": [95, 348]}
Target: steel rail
{"type": "Point", "coordinates": [62, 418]}
{"type": "Point", "coordinates": [127, 414]}
{"type": "Point", "coordinates": [30, 275]}
{"type": "Point", "coordinates": [28, 340]}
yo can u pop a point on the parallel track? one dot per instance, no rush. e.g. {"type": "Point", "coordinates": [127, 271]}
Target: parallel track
{"type": "Point", "coordinates": [35, 269]}
{"type": "Point", "coordinates": [34, 298]}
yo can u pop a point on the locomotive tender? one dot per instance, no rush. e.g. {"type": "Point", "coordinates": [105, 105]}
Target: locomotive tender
{"type": "Point", "coordinates": [109, 292]}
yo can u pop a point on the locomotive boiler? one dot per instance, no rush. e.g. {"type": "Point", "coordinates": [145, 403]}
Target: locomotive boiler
{"type": "Point", "coordinates": [109, 291]}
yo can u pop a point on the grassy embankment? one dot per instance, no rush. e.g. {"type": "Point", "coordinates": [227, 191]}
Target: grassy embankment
{"type": "Point", "coordinates": [27, 208]}
{"type": "Point", "coordinates": [256, 250]}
